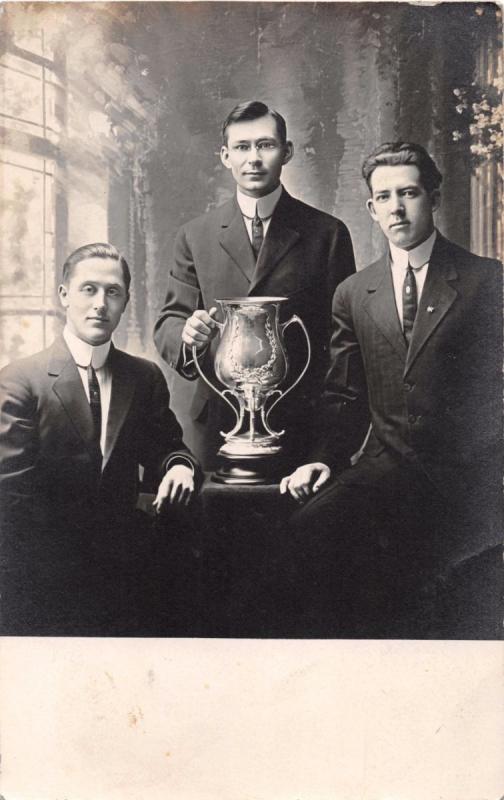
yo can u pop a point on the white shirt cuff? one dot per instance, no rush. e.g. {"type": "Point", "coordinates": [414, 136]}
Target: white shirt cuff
{"type": "Point", "coordinates": [179, 459]}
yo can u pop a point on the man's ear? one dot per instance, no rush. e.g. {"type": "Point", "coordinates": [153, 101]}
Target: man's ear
{"type": "Point", "coordinates": [63, 295]}
{"type": "Point", "coordinates": [435, 199]}
{"type": "Point", "coordinates": [370, 207]}
{"type": "Point", "coordinates": [224, 156]}
{"type": "Point", "coordinates": [288, 151]}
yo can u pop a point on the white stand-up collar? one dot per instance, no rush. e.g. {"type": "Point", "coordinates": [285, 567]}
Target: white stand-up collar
{"type": "Point", "coordinates": [417, 257]}
{"type": "Point", "coordinates": [264, 205]}
{"type": "Point", "coordinates": [85, 354]}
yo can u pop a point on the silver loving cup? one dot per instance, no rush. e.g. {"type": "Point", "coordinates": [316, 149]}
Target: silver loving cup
{"type": "Point", "coordinates": [251, 362]}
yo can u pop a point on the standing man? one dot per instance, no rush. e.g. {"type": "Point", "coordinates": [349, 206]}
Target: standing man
{"type": "Point", "coordinates": [417, 346]}
{"type": "Point", "coordinates": [261, 242]}
{"type": "Point", "coordinates": [76, 422]}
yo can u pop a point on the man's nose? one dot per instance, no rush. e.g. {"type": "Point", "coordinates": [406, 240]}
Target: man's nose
{"type": "Point", "coordinates": [254, 154]}
{"type": "Point", "coordinates": [396, 204]}
{"type": "Point", "coordinates": [100, 299]}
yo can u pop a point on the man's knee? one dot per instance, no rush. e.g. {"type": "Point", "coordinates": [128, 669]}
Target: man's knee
{"type": "Point", "coordinates": [332, 506]}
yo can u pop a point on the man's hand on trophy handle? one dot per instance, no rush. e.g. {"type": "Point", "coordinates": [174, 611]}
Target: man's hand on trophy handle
{"type": "Point", "coordinates": [200, 328]}
{"type": "Point", "coordinates": [305, 481]}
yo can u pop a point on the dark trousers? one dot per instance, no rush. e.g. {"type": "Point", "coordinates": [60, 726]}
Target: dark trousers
{"type": "Point", "coordinates": [125, 575]}
{"type": "Point", "coordinates": [366, 556]}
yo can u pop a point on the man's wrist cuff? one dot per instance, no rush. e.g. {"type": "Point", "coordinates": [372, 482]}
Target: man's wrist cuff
{"type": "Point", "coordinates": [178, 459]}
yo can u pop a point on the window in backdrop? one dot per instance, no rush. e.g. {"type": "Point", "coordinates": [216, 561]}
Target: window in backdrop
{"type": "Point", "coordinates": [31, 121]}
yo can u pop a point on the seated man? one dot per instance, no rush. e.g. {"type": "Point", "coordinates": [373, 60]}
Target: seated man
{"type": "Point", "coordinates": [76, 421]}
{"type": "Point", "coordinates": [417, 346]}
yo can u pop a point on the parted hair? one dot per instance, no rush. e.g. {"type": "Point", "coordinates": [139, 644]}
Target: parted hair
{"type": "Point", "coordinates": [96, 250]}
{"type": "Point", "coordinates": [391, 154]}
{"type": "Point", "coordinates": [254, 109]}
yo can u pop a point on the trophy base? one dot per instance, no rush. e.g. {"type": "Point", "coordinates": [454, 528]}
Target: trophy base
{"type": "Point", "coordinates": [243, 447]}
{"type": "Point", "coordinates": [248, 462]}
{"type": "Point", "coordinates": [233, 475]}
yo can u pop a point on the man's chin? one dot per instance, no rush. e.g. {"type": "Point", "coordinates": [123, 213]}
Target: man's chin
{"type": "Point", "coordinates": [402, 239]}
{"type": "Point", "coordinates": [96, 339]}
{"type": "Point", "coordinates": [254, 188]}
{"type": "Point", "coordinates": [258, 188]}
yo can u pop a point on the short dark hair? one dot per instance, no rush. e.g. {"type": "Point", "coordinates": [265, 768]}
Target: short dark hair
{"type": "Point", "coordinates": [254, 109]}
{"type": "Point", "coordinates": [96, 250]}
{"type": "Point", "coordinates": [391, 154]}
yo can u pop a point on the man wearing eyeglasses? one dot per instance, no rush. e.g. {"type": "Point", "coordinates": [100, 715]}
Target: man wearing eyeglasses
{"type": "Point", "coordinates": [262, 242]}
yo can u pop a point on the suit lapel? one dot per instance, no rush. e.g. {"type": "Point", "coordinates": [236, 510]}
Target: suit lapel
{"type": "Point", "coordinates": [381, 306]}
{"type": "Point", "coordinates": [234, 239]}
{"type": "Point", "coordinates": [123, 389]}
{"type": "Point", "coordinates": [281, 236]}
{"type": "Point", "coordinates": [70, 391]}
{"type": "Point", "coordinates": [437, 297]}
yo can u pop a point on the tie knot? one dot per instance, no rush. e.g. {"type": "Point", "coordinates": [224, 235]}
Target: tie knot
{"type": "Point", "coordinates": [410, 274]}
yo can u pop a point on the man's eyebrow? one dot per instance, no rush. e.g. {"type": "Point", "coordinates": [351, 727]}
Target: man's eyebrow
{"type": "Point", "coordinates": [94, 282]}
{"type": "Point", "coordinates": [259, 139]}
{"type": "Point", "coordinates": [400, 189]}
{"type": "Point", "coordinates": [114, 286]}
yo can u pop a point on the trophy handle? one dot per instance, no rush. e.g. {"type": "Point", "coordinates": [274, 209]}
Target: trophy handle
{"type": "Point", "coordinates": [264, 414]}
{"type": "Point", "coordinates": [283, 327]}
{"type": "Point", "coordinates": [239, 415]}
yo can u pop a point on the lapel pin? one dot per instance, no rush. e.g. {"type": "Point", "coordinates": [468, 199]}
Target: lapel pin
{"type": "Point", "coordinates": [430, 309]}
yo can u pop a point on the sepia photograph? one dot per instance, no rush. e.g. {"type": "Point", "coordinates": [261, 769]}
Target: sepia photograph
{"type": "Point", "coordinates": [251, 354]}
{"type": "Point", "coordinates": [229, 408]}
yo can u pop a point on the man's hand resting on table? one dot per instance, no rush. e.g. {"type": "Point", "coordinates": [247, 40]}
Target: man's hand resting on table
{"type": "Point", "coordinates": [305, 481]}
{"type": "Point", "coordinates": [176, 488]}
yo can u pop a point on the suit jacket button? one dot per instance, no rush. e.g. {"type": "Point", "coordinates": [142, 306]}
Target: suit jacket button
{"type": "Point", "coordinates": [407, 387]}
{"type": "Point", "coordinates": [412, 419]}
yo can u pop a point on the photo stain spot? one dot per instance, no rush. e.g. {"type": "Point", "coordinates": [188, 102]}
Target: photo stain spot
{"type": "Point", "coordinates": [134, 717]}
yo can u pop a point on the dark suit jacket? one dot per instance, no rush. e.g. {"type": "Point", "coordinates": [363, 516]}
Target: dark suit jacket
{"type": "Point", "coordinates": [305, 254]}
{"type": "Point", "coordinates": [436, 404]}
{"type": "Point", "coordinates": [56, 503]}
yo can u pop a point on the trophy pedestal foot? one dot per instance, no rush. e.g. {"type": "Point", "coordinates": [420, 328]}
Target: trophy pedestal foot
{"type": "Point", "coordinates": [246, 473]}
{"type": "Point", "coordinates": [232, 474]}
{"type": "Point", "coordinates": [246, 463]}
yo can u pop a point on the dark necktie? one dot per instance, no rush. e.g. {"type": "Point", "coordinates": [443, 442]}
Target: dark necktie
{"type": "Point", "coordinates": [95, 403]}
{"type": "Point", "coordinates": [257, 233]}
{"type": "Point", "coordinates": [409, 299]}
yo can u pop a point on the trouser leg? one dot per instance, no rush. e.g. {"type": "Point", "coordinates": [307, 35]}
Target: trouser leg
{"type": "Point", "coordinates": [355, 555]}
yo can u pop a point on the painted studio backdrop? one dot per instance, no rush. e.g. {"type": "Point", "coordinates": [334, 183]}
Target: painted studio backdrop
{"type": "Point", "coordinates": [110, 123]}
